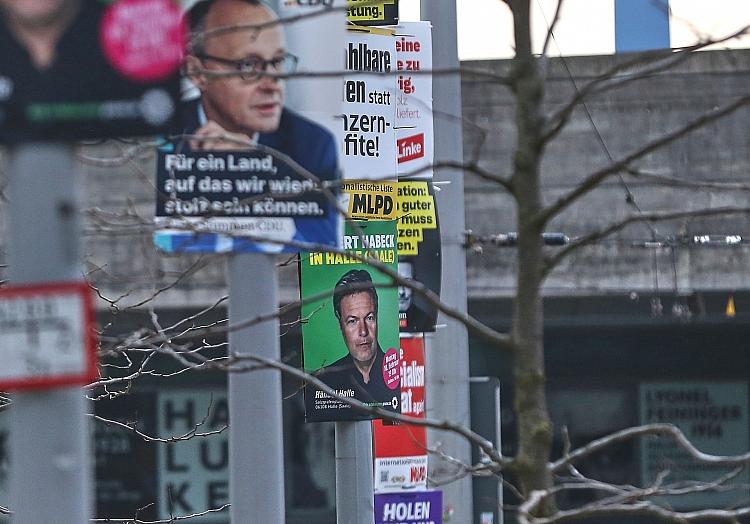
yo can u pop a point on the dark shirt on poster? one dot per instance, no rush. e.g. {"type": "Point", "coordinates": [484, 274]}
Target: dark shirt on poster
{"type": "Point", "coordinates": [79, 74]}
{"type": "Point", "coordinates": [343, 374]}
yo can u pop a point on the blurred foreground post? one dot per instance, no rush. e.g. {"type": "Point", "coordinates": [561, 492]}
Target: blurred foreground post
{"type": "Point", "coordinates": [50, 473]}
{"type": "Point", "coordinates": [256, 443]}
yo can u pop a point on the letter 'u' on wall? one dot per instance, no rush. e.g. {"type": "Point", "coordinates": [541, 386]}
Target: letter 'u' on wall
{"type": "Point", "coordinates": [193, 474]}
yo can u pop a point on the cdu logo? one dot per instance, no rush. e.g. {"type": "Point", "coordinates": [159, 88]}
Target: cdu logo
{"type": "Point", "coordinates": [308, 3]}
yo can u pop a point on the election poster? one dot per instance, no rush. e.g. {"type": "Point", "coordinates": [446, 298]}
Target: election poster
{"type": "Point", "coordinates": [418, 254]}
{"type": "Point", "coordinates": [400, 450]}
{"type": "Point", "coordinates": [367, 137]}
{"type": "Point", "coordinates": [371, 199]}
{"type": "Point", "coordinates": [111, 70]}
{"type": "Point", "coordinates": [239, 202]}
{"type": "Point", "coordinates": [350, 327]}
{"type": "Point", "coordinates": [372, 12]}
{"type": "Point", "coordinates": [420, 507]}
{"type": "Point", "coordinates": [257, 163]}
{"type": "Point", "coordinates": [414, 121]}
{"type": "Point", "coordinates": [714, 417]}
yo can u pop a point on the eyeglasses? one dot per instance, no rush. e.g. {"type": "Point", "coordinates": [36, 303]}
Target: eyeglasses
{"type": "Point", "coordinates": [254, 67]}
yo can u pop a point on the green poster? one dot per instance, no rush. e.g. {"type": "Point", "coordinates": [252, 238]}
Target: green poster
{"type": "Point", "coordinates": [350, 324]}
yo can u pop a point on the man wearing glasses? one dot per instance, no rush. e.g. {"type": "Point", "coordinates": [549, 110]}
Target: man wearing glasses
{"type": "Point", "coordinates": [237, 58]}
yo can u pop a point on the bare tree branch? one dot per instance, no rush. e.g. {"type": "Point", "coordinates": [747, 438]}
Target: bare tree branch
{"type": "Point", "coordinates": [113, 303]}
{"type": "Point", "coordinates": [133, 428]}
{"type": "Point", "coordinates": [656, 61]}
{"type": "Point", "coordinates": [170, 520]}
{"type": "Point", "coordinates": [669, 181]}
{"type": "Point", "coordinates": [643, 509]}
{"type": "Point", "coordinates": [665, 430]}
{"type": "Point", "coordinates": [551, 29]}
{"type": "Point", "coordinates": [596, 178]}
{"type": "Point", "coordinates": [503, 181]}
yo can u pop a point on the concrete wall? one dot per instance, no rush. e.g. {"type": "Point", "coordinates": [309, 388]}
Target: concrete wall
{"type": "Point", "coordinates": [620, 122]}
{"type": "Point", "coordinates": [119, 196]}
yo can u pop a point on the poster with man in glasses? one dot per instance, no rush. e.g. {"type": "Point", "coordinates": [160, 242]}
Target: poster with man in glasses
{"type": "Point", "coordinates": [237, 58]}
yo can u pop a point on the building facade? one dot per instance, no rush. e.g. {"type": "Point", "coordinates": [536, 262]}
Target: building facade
{"type": "Point", "coordinates": [646, 325]}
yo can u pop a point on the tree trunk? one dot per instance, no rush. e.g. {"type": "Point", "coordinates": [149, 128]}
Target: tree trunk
{"type": "Point", "coordinates": [534, 427]}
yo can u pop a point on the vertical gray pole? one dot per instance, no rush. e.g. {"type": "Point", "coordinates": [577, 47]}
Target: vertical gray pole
{"type": "Point", "coordinates": [447, 353]}
{"type": "Point", "coordinates": [256, 447]}
{"type": "Point", "coordinates": [354, 492]}
{"type": "Point", "coordinates": [50, 474]}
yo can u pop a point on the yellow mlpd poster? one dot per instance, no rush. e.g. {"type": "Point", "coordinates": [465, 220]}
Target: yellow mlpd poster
{"type": "Point", "coordinates": [372, 12]}
{"type": "Point", "coordinates": [369, 199]}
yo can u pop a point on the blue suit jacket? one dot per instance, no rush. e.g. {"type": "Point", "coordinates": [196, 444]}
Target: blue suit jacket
{"type": "Point", "coordinates": [307, 143]}
{"type": "Point", "coordinates": [314, 148]}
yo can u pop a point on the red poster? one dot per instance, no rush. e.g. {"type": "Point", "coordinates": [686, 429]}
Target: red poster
{"type": "Point", "coordinates": [401, 450]}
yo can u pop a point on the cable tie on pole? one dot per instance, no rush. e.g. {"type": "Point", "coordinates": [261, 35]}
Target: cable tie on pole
{"type": "Point", "coordinates": [555, 239]}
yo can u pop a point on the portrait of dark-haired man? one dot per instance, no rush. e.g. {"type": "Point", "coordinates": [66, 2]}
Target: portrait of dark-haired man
{"type": "Point", "coordinates": [355, 304]}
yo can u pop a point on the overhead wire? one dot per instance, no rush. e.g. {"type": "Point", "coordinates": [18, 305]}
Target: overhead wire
{"type": "Point", "coordinates": [629, 196]}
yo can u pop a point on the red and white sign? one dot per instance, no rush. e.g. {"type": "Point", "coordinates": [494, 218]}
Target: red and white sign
{"type": "Point", "coordinates": [47, 336]}
{"type": "Point", "coordinates": [144, 39]}
{"type": "Point", "coordinates": [414, 130]}
{"type": "Point", "coordinates": [401, 450]}
{"type": "Point", "coordinates": [410, 148]}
